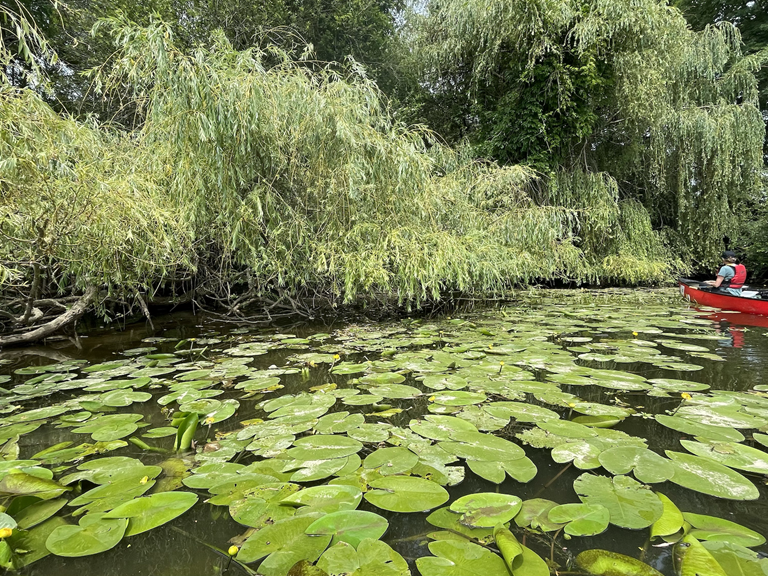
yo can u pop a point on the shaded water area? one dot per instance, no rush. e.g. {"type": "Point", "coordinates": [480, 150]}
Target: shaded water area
{"type": "Point", "coordinates": [572, 380]}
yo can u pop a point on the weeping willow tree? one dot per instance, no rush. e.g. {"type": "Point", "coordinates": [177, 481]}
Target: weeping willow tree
{"type": "Point", "coordinates": [616, 86]}
{"type": "Point", "coordinates": [273, 184]}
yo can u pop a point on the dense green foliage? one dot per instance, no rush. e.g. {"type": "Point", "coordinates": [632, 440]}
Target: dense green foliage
{"type": "Point", "coordinates": [239, 168]}
{"type": "Point", "coordinates": [615, 86]}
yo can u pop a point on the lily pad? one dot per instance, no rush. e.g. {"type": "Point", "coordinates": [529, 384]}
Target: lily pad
{"type": "Point", "coordinates": [606, 563]}
{"type": "Point", "coordinates": [720, 530]}
{"type": "Point", "coordinates": [372, 558]}
{"type": "Point", "coordinates": [486, 509]}
{"type": "Point", "coordinates": [708, 477]}
{"type": "Point", "coordinates": [731, 454]}
{"type": "Point", "coordinates": [350, 526]}
{"type": "Point", "coordinates": [329, 498]}
{"type": "Point", "coordinates": [647, 466]}
{"type": "Point", "coordinates": [93, 534]}
{"type": "Point", "coordinates": [391, 461]}
{"type": "Point", "coordinates": [687, 426]}
{"type": "Point", "coordinates": [406, 494]}
{"type": "Point", "coordinates": [629, 503]}
{"type": "Point", "coordinates": [581, 519]}
{"type": "Point", "coordinates": [149, 512]}
{"type": "Point", "coordinates": [460, 558]}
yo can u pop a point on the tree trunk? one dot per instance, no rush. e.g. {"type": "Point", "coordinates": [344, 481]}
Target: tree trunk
{"type": "Point", "coordinates": [72, 314]}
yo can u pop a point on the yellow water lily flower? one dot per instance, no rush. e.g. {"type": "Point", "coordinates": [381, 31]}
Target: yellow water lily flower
{"type": "Point", "coordinates": [233, 550]}
{"type": "Point", "coordinates": [336, 356]}
{"type": "Point", "coordinates": [501, 363]}
{"type": "Point", "coordinates": [634, 333]}
{"type": "Point", "coordinates": [209, 420]}
{"type": "Point", "coordinates": [144, 480]}
{"type": "Point", "coordinates": [686, 396]}
{"type": "Point", "coordinates": [5, 532]}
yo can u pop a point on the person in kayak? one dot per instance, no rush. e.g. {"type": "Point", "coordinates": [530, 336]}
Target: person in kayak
{"type": "Point", "coordinates": [731, 276]}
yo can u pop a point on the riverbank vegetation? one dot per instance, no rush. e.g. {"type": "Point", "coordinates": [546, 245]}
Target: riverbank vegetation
{"type": "Point", "coordinates": [582, 141]}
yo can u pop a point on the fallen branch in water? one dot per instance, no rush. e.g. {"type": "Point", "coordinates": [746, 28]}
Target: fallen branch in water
{"type": "Point", "coordinates": [76, 311]}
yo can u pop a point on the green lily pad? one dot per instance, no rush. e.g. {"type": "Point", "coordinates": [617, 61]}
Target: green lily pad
{"type": "Point", "coordinates": [324, 447]}
{"type": "Point", "coordinates": [606, 563]}
{"type": "Point", "coordinates": [535, 513]}
{"type": "Point", "coordinates": [438, 427]}
{"type": "Point", "coordinates": [329, 498]}
{"type": "Point", "coordinates": [708, 477]}
{"type": "Point", "coordinates": [486, 509]}
{"type": "Point", "coordinates": [647, 466]}
{"type": "Point", "coordinates": [372, 558]}
{"type": "Point", "coordinates": [581, 519]}
{"type": "Point", "coordinates": [93, 534]}
{"type": "Point", "coordinates": [283, 544]}
{"type": "Point", "coordinates": [671, 520]}
{"type": "Point", "coordinates": [695, 559]}
{"type": "Point", "coordinates": [38, 513]}
{"type": "Point", "coordinates": [478, 446]}
{"type": "Point", "coordinates": [406, 494]}
{"type": "Point", "coordinates": [731, 454]}
{"type": "Point", "coordinates": [152, 511]}
{"type": "Point", "coordinates": [350, 526]}
{"type": "Point", "coordinates": [460, 558]}
{"type": "Point", "coordinates": [720, 530]}
{"type": "Point", "coordinates": [630, 504]}
{"type": "Point", "coordinates": [686, 426]}
{"type": "Point", "coordinates": [391, 461]}
{"type": "Point", "coordinates": [458, 398]}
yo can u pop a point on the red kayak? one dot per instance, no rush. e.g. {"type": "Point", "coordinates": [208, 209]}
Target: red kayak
{"type": "Point", "coordinates": [690, 289]}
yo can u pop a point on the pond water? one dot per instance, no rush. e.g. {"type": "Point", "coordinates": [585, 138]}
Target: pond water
{"type": "Point", "coordinates": [449, 439]}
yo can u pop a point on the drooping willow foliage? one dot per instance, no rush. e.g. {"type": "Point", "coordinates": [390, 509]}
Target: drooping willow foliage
{"type": "Point", "coordinates": [280, 182]}
{"type": "Point", "coordinates": [621, 86]}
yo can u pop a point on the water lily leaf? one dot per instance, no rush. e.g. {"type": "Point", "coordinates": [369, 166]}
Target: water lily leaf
{"type": "Point", "coordinates": [444, 518]}
{"type": "Point", "coordinates": [372, 558]}
{"type": "Point", "coordinates": [672, 385]}
{"type": "Point", "coordinates": [535, 513]}
{"type": "Point", "coordinates": [438, 427]}
{"type": "Point", "coordinates": [486, 509]}
{"type": "Point", "coordinates": [33, 542]}
{"type": "Point", "coordinates": [19, 483]}
{"type": "Point", "coordinates": [720, 530]}
{"type": "Point", "coordinates": [478, 446]}
{"type": "Point", "coordinates": [110, 427]}
{"type": "Point", "coordinates": [696, 560]}
{"type": "Point", "coordinates": [323, 447]}
{"type": "Point", "coordinates": [445, 382]}
{"type": "Point", "coordinates": [380, 378]}
{"type": "Point", "coordinates": [491, 471]}
{"type": "Point", "coordinates": [374, 433]}
{"type": "Point", "coordinates": [583, 453]}
{"type": "Point", "coordinates": [581, 519]}
{"type": "Point", "coordinates": [567, 429]}
{"type": "Point", "coordinates": [162, 432]}
{"type": "Point", "coordinates": [522, 469]}
{"type": "Point", "coordinates": [406, 494]}
{"type": "Point", "coordinates": [457, 558]}
{"type": "Point", "coordinates": [629, 503]}
{"type": "Point", "coordinates": [149, 512]}
{"type": "Point", "coordinates": [728, 416]}
{"type": "Point", "coordinates": [671, 520]}
{"type": "Point", "coordinates": [312, 470]}
{"type": "Point", "coordinates": [92, 535]}
{"type": "Point", "coordinates": [350, 526]}
{"type": "Point", "coordinates": [118, 398]}
{"type": "Point", "coordinates": [693, 428]}
{"type": "Point", "coordinates": [400, 391]}
{"type": "Point", "coordinates": [731, 454]}
{"type": "Point", "coordinates": [458, 398]}
{"type": "Point", "coordinates": [38, 513]}
{"type": "Point", "coordinates": [391, 461]}
{"type": "Point", "coordinates": [507, 544]}
{"type": "Point", "coordinates": [283, 543]}
{"type": "Point", "coordinates": [708, 477]}
{"type": "Point", "coordinates": [328, 498]}
{"type": "Point", "coordinates": [259, 506]}
{"type": "Point", "coordinates": [647, 466]}
{"type": "Point", "coordinates": [362, 399]}
{"type": "Point", "coordinates": [605, 563]}
{"type": "Point", "coordinates": [349, 368]}
{"type": "Point", "coordinates": [736, 560]}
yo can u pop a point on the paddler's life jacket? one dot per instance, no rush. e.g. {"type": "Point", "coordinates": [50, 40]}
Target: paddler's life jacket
{"type": "Point", "coordinates": [739, 277]}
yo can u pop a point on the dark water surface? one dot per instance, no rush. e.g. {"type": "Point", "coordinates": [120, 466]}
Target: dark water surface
{"type": "Point", "coordinates": [187, 545]}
